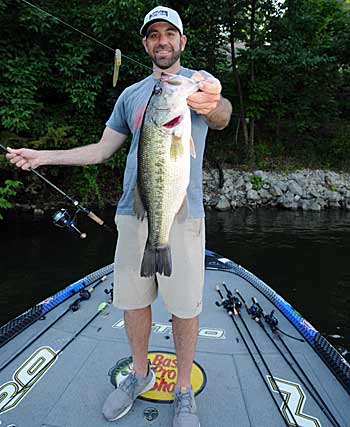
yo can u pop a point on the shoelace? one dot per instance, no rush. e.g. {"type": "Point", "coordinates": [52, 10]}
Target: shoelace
{"type": "Point", "coordinates": [129, 384]}
{"type": "Point", "coordinates": [183, 402]}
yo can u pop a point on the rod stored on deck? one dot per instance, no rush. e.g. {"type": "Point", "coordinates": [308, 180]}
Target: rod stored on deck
{"type": "Point", "coordinates": [257, 313]}
{"type": "Point", "coordinates": [84, 294]}
{"type": "Point", "coordinates": [233, 307]}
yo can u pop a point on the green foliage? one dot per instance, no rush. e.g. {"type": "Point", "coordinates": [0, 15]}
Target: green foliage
{"type": "Point", "coordinates": [257, 182]}
{"type": "Point", "coordinates": [294, 69]}
{"type": "Point", "coordinates": [303, 69]}
{"type": "Point", "coordinates": [7, 192]}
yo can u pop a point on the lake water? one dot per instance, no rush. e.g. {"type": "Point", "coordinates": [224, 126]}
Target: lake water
{"type": "Point", "coordinates": [305, 257]}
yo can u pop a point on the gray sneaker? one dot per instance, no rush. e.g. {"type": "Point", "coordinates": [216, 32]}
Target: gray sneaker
{"type": "Point", "coordinates": [120, 401]}
{"type": "Point", "coordinates": [185, 411]}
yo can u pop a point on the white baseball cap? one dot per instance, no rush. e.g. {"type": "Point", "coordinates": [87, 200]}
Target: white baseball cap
{"type": "Point", "coordinates": [161, 13]}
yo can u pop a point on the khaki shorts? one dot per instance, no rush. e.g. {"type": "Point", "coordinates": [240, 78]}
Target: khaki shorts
{"type": "Point", "coordinates": [182, 291]}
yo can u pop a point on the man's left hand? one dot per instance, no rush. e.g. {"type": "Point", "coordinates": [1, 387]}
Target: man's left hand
{"type": "Point", "coordinates": [207, 98]}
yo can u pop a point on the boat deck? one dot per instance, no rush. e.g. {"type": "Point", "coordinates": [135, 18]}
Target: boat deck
{"type": "Point", "coordinates": [60, 382]}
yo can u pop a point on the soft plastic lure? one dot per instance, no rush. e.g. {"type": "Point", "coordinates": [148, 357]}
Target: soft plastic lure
{"type": "Point", "coordinates": [117, 63]}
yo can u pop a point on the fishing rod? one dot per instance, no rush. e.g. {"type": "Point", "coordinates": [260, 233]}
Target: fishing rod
{"type": "Point", "coordinates": [233, 307]}
{"type": "Point", "coordinates": [62, 218]}
{"type": "Point", "coordinates": [255, 309]}
{"type": "Point", "coordinates": [84, 295]}
{"type": "Point", "coordinates": [257, 312]}
{"type": "Point", "coordinates": [117, 53]}
{"type": "Point", "coordinates": [20, 323]}
{"type": "Point", "coordinates": [100, 309]}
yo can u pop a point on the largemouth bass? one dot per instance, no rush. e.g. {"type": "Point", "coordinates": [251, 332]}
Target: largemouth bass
{"type": "Point", "coordinates": [163, 171]}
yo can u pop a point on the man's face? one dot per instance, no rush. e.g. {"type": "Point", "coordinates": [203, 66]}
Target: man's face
{"type": "Point", "coordinates": [164, 44]}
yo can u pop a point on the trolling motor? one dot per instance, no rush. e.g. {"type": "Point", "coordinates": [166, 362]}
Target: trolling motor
{"type": "Point", "coordinates": [63, 219]}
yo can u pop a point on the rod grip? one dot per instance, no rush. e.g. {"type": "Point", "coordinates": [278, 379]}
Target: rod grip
{"type": "Point", "coordinates": [95, 218]}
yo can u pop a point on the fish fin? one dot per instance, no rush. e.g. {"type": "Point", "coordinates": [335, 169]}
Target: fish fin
{"type": "Point", "coordinates": [183, 212]}
{"type": "Point", "coordinates": [156, 260]}
{"type": "Point", "coordinates": [192, 148]}
{"type": "Point", "coordinates": [138, 205]}
{"type": "Point", "coordinates": [176, 148]}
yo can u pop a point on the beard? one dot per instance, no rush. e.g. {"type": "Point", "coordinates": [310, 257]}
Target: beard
{"type": "Point", "coordinates": [166, 62]}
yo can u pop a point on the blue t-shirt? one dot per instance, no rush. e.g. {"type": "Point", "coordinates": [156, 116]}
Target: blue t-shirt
{"type": "Point", "coordinates": [127, 118]}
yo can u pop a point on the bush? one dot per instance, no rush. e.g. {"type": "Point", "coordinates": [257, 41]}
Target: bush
{"type": "Point", "coordinates": [7, 192]}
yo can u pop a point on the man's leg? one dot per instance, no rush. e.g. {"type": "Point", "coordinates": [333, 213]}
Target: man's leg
{"type": "Point", "coordinates": [182, 294]}
{"type": "Point", "coordinates": [185, 332]}
{"type": "Point", "coordinates": [120, 401]}
{"type": "Point", "coordinates": [134, 295]}
{"type": "Point", "coordinates": [138, 327]}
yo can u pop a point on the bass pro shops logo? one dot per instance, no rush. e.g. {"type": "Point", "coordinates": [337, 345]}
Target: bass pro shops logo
{"type": "Point", "coordinates": [164, 366]}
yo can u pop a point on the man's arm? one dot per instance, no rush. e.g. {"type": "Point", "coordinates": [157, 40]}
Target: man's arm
{"type": "Point", "coordinates": [208, 102]}
{"type": "Point", "coordinates": [110, 142]}
{"type": "Point", "coordinates": [220, 116]}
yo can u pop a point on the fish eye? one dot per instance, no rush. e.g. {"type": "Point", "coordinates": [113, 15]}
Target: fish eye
{"type": "Point", "coordinates": [157, 90]}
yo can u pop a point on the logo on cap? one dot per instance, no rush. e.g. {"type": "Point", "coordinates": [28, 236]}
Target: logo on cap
{"type": "Point", "coordinates": [158, 13]}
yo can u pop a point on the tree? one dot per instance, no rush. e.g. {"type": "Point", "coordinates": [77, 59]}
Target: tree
{"type": "Point", "coordinates": [303, 64]}
{"type": "Point", "coordinates": [56, 86]}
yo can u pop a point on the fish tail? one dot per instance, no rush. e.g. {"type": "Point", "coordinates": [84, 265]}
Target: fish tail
{"type": "Point", "coordinates": [156, 260]}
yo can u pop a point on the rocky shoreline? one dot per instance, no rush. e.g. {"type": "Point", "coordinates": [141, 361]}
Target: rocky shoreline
{"type": "Point", "coordinates": [308, 190]}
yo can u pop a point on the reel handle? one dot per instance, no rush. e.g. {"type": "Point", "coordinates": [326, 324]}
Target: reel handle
{"type": "Point", "coordinates": [62, 219]}
{"type": "Point", "coordinates": [81, 235]}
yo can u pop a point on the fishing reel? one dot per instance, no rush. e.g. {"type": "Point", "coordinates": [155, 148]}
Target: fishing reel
{"type": "Point", "coordinates": [272, 320]}
{"type": "Point", "coordinates": [63, 219]}
{"type": "Point", "coordinates": [230, 303]}
{"type": "Point", "coordinates": [255, 310]}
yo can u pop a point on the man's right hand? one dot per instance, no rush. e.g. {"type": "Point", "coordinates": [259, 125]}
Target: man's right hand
{"type": "Point", "coordinates": [25, 158]}
{"type": "Point", "coordinates": [92, 154]}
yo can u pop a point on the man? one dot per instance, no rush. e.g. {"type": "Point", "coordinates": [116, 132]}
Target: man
{"type": "Point", "coordinates": [163, 40]}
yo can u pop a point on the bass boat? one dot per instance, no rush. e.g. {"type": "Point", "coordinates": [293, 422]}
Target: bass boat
{"type": "Point", "coordinates": [258, 362]}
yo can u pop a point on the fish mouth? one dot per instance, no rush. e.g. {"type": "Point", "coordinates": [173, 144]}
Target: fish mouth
{"type": "Point", "coordinates": [173, 122]}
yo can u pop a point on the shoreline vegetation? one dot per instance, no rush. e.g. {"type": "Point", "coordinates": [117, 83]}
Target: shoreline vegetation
{"type": "Point", "coordinates": [285, 67]}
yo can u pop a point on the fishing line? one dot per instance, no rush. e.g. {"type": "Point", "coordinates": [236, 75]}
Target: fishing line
{"type": "Point", "coordinates": [62, 218]}
{"type": "Point", "coordinates": [232, 306]}
{"type": "Point", "coordinates": [83, 33]}
{"type": "Point", "coordinates": [321, 403]}
{"type": "Point", "coordinates": [276, 327]}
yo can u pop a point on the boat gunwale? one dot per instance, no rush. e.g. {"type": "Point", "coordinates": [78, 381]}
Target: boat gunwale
{"type": "Point", "coordinates": [213, 261]}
